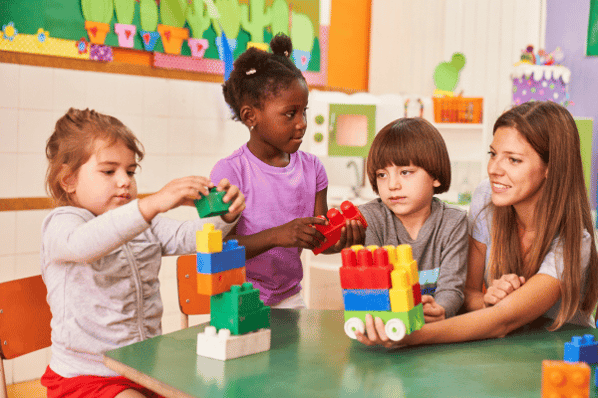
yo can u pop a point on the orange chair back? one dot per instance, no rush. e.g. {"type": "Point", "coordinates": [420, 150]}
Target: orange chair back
{"type": "Point", "coordinates": [24, 317]}
{"type": "Point", "coordinates": [190, 302]}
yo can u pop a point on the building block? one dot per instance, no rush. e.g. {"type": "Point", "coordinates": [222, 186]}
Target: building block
{"type": "Point", "coordinates": [401, 294]}
{"type": "Point", "coordinates": [239, 301]}
{"type": "Point", "coordinates": [240, 310]}
{"type": "Point", "coordinates": [232, 256]}
{"type": "Point", "coordinates": [220, 282]}
{"type": "Point", "coordinates": [364, 269]}
{"type": "Point", "coordinates": [405, 259]}
{"type": "Point", "coordinates": [223, 346]}
{"type": "Point", "coordinates": [416, 317]}
{"type": "Point", "coordinates": [336, 221]}
{"type": "Point", "coordinates": [417, 294]}
{"type": "Point", "coordinates": [366, 299]}
{"type": "Point", "coordinates": [259, 319]}
{"type": "Point", "coordinates": [581, 349]}
{"type": "Point", "coordinates": [394, 321]}
{"type": "Point", "coordinates": [563, 379]}
{"type": "Point", "coordinates": [212, 205]}
{"type": "Point", "coordinates": [208, 240]}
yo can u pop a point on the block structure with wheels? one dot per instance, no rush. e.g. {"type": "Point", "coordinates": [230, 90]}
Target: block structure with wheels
{"type": "Point", "coordinates": [383, 282]}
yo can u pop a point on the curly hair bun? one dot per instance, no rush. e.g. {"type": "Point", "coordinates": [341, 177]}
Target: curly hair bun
{"type": "Point", "coordinates": [281, 44]}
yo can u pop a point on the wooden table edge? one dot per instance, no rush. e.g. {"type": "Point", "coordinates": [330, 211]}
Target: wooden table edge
{"type": "Point", "coordinates": [144, 380]}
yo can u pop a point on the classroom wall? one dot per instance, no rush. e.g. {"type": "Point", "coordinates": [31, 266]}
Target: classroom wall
{"type": "Point", "coordinates": [567, 27]}
{"type": "Point", "coordinates": [184, 126]}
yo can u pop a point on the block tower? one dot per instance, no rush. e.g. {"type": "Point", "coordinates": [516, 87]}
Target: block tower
{"type": "Point", "coordinates": [239, 319]}
{"type": "Point", "coordinates": [383, 282]}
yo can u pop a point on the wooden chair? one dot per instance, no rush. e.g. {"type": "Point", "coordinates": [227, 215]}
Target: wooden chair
{"type": "Point", "coordinates": [24, 320]}
{"type": "Point", "coordinates": [190, 302]}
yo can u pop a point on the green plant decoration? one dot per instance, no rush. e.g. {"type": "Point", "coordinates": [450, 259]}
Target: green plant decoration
{"type": "Point", "coordinates": [446, 74]}
{"type": "Point", "coordinates": [97, 10]}
{"type": "Point", "coordinates": [198, 18]}
{"type": "Point", "coordinates": [302, 32]}
{"type": "Point", "coordinates": [230, 18]}
{"type": "Point", "coordinates": [280, 17]}
{"type": "Point", "coordinates": [260, 18]}
{"type": "Point", "coordinates": [172, 12]}
{"type": "Point", "coordinates": [125, 11]}
{"type": "Point", "coordinates": [148, 14]}
{"type": "Point", "coordinates": [314, 62]}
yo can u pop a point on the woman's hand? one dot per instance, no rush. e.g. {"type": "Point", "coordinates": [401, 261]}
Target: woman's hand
{"type": "Point", "coordinates": [235, 197]}
{"type": "Point", "coordinates": [433, 311]}
{"type": "Point", "coordinates": [501, 288]}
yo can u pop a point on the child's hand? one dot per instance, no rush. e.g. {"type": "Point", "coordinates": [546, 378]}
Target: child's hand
{"type": "Point", "coordinates": [501, 288]}
{"type": "Point", "coordinates": [433, 311]}
{"type": "Point", "coordinates": [234, 195]}
{"type": "Point", "coordinates": [299, 233]}
{"type": "Point", "coordinates": [182, 191]}
{"type": "Point", "coordinates": [353, 233]}
{"type": "Point", "coordinates": [375, 334]}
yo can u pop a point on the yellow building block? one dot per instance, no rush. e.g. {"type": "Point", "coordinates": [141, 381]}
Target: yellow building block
{"type": "Point", "coordinates": [392, 254]}
{"type": "Point", "coordinates": [401, 294]}
{"type": "Point", "coordinates": [208, 240]}
{"type": "Point", "coordinates": [357, 248]}
{"type": "Point", "coordinates": [372, 248]}
{"type": "Point", "coordinates": [405, 259]}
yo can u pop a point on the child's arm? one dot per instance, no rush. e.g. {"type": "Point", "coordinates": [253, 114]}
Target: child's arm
{"type": "Point", "coordinates": [453, 265]}
{"type": "Point", "coordinates": [78, 236]}
{"type": "Point", "coordinates": [179, 238]}
{"type": "Point", "coordinates": [524, 305]}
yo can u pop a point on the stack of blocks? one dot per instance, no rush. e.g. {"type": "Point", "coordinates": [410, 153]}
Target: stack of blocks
{"type": "Point", "coordinates": [336, 221]}
{"type": "Point", "coordinates": [383, 282]}
{"type": "Point", "coordinates": [237, 312]}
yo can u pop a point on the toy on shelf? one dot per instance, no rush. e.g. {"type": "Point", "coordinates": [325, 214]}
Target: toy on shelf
{"type": "Point", "coordinates": [336, 221]}
{"type": "Point", "coordinates": [540, 77]}
{"type": "Point", "coordinates": [383, 282]}
{"type": "Point", "coordinates": [236, 311]}
{"type": "Point", "coordinates": [212, 205]}
{"type": "Point", "coordinates": [581, 349]}
{"type": "Point", "coordinates": [446, 75]}
{"type": "Point", "coordinates": [563, 379]}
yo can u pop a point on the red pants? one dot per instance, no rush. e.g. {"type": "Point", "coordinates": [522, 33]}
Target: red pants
{"type": "Point", "coordinates": [89, 386]}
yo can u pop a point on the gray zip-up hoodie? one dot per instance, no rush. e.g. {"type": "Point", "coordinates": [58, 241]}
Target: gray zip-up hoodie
{"type": "Point", "coordinates": [102, 279]}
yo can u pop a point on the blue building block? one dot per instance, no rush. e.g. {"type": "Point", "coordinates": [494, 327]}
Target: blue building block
{"type": "Point", "coordinates": [232, 256]}
{"type": "Point", "coordinates": [366, 299]}
{"type": "Point", "coordinates": [581, 349]}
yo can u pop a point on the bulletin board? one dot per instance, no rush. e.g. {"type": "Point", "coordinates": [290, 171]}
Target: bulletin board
{"type": "Point", "coordinates": [92, 29]}
{"type": "Point", "coordinates": [592, 42]}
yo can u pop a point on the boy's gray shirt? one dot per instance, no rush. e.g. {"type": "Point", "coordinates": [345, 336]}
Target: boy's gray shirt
{"type": "Point", "coordinates": [102, 279]}
{"type": "Point", "coordinates": [440, 248]}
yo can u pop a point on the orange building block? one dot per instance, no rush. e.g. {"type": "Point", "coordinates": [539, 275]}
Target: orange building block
{"type": "Point", "coordinates": [565, 379]}
{"type": "Point", "coordinates": [220, 282]}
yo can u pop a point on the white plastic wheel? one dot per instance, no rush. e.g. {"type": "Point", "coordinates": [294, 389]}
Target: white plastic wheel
{"type": "Point", "coordinates": [353, 325]}
{"type": "Point", "coordinates": [395, 329]}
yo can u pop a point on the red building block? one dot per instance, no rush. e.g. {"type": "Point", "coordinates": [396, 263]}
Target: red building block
{"type": "Point", "coordinates": [417, 294]}
{"type": "Point", "coordinates": [365, 270]}
{"type": "Point", "coordinates": [336, 221]}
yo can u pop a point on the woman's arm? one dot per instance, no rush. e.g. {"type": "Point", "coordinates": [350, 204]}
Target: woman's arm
{"type": "Point", "coordinates": [474, 284]}
{"type": "Point", "coordinates": [519, 308]}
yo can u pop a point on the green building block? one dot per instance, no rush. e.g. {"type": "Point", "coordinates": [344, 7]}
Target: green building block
{"type": "Point", "coordinates": [240, 310]}
{"type": "Point", "coordinates": [413, 319]}
{"type": "Point", "coordinates": [241, 324]}
{"type": "Point", "coordinates": [212, 205]}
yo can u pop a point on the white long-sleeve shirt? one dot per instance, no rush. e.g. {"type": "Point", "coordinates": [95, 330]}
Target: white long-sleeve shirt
{"type": "Point", "coordinates": [102, 279]}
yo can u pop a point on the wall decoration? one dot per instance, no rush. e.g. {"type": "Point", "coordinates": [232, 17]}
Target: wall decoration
{"type": "Point", "coordinates": [592, 42]}
{"type": "Point", "coordinates": [185, 28]}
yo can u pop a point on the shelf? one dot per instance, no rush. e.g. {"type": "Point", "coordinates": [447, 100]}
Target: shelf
{"type": "Point", "coordinates": [458, 126]}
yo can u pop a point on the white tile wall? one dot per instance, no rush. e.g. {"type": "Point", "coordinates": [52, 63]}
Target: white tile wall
{"type": "Point", "coordinates": [185, 127]}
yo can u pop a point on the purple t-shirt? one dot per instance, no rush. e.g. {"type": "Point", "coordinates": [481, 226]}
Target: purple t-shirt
{"type": "Point", "coordinates": [273, 196]}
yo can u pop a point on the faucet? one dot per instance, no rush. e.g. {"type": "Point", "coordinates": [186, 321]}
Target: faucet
{"type": "Point", "coordinates": [355, 188]}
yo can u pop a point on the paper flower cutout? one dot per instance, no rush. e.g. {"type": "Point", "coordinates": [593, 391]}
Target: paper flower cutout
{"type": "Point", "coordinates": [42, 35]}
{"type": "Point", "coordinates": [82, 45]}
{"type": "Point", "coordinates": [9, 31]}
